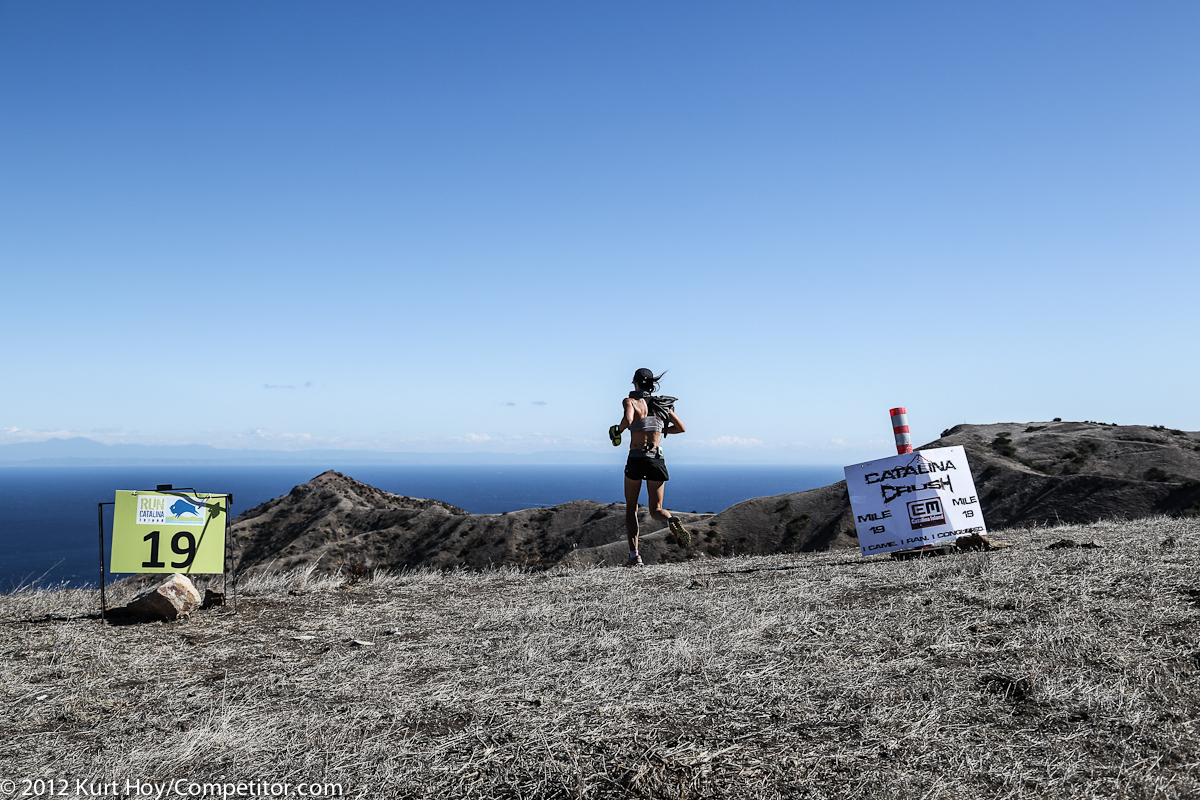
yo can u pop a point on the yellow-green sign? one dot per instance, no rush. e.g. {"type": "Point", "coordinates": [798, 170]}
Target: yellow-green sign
{"type": "Point", "coordinates": [169, 532]}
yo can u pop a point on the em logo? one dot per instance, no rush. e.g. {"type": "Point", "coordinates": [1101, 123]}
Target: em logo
{"type": "Point", "coordinates": [926, 513]}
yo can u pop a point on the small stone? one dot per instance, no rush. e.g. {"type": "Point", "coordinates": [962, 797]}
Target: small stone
{"type": "Point", "coordinates": [976, 541]}
{"type": "Point", "coordinates": [361, 643]}
{"type": "Point", "coordinates": [175, 597]}
{"type": "Point", "coordinates": [303, 638]}
{"type": "Point", "coordinates": [213, 597]}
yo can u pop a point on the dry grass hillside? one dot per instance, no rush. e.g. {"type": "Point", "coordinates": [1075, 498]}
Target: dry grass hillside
{"type": "Point", "coordinates": [1022, 673]}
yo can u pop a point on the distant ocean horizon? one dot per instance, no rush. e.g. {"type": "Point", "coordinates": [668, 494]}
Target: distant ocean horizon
{"type": "Point", "coordinates": [49, 531]}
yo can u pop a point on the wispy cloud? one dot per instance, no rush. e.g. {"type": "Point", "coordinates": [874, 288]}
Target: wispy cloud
{"type": "Point", "coordinates": [265, 439]}
{"type": "Point", "coordinates": [305, 385]}
{"type": "Point", "coordinates": [539, 402]}
{"type": "Point", "coordinates": [109, 435]}
{"type": "Point", "coordinates": [255, 438]}
{"type": "Point", "coordinates": [15, 435]}
{"type": "Point", "coordinates": [508, 403]}
{"type": "Point", "coordinates": [727, 442]}
{"type": "Point", "coordinates": [546, 439]}
{"type": "Point", "coordinates": [838, 443]}
{"type": "Point", "coordinates": [472, 437]}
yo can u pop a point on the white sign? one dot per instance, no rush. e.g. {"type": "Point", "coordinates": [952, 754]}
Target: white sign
{"type": "Point", "coordinates": [913, 500]}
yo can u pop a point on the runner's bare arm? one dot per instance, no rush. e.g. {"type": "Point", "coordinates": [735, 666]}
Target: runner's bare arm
{"type": "Point", "coordinates": [627, 420]}
{"type": "Point", "coordinates": [674, 425]}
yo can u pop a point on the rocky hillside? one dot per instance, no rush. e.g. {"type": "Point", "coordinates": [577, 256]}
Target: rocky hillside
{"type": "Point", "coordinates": [1025, 474]}
{"type": "Point", "coordinates": [1051, 472]}
{"type": "Point", "coordinates": [335, 522]}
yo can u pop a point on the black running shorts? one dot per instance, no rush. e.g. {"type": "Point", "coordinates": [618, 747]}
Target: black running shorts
{"type": "Point", "coordinates": [639, 468]}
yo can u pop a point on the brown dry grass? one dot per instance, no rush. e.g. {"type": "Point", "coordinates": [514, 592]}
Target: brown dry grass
{"type": "Point", "coordinates": [1021, 673]}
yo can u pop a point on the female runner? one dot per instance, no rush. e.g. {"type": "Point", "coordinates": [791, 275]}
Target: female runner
{"type": "Point", "coordinates": [648, 417]}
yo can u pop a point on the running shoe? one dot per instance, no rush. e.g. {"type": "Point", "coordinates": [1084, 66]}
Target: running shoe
{"type": "Point", "coordinates": [679, 533]}
{"type": "Point", "coordinates": [614, 435]}
{"type": "Point", "coordinates": [634, 561]}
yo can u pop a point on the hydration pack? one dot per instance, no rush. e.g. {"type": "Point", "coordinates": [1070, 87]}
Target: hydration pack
{"type": "Point", "coordinates": [660, 405]}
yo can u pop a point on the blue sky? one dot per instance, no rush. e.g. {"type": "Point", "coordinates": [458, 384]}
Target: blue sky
{"type": "Point", "coordinates": [462, 226]}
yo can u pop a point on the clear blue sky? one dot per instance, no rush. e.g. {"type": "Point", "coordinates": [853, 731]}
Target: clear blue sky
{"type": "Point", "coordinates": [462, 226]}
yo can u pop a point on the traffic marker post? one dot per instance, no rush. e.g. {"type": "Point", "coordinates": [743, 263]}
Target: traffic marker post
{"type": "Point", "coordinates": [900, 429]}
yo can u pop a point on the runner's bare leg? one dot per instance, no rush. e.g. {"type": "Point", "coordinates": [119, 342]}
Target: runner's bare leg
{"type": "Point", "coordinates": [632, 490]}
{"type": "Point", "coordinates": [654, 498]}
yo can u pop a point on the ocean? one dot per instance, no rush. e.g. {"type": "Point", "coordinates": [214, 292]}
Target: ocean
{"type": "Point", "coordinates": [49, 529]}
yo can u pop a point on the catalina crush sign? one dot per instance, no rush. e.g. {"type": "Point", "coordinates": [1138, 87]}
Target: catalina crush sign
{"type": "Point", "coordinates": [169, 532]}
{"type": "Point", "coordinates": [912, 500]}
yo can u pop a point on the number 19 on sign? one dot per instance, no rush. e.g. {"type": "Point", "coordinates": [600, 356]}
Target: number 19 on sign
{"type": "Point", "coordinates": [187, 550]}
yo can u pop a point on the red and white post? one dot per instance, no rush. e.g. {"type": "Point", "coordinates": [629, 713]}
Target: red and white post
{"type": "Point", "coordinates": [904, 445]}
{"type": "Point", "coordinates": [900, 428]}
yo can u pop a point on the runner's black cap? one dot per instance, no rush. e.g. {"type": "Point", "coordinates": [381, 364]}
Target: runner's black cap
{"type": "Point", "coordinates": [646, 380]}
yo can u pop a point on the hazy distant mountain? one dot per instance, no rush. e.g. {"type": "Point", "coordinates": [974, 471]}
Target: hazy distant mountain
{"type": "Point", "coordinates": [80, 451]}
{"type": "Point", "coordinates": [79, 448]}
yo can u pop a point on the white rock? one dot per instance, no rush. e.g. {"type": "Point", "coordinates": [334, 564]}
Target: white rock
{"type": "Point", "coordinates": [173, 598]}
